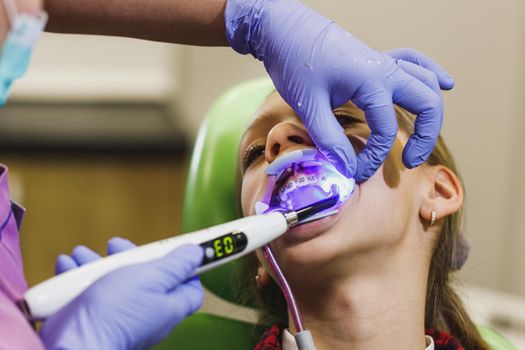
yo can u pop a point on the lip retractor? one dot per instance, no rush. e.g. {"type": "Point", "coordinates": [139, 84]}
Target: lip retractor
{"type": "Point", "coordinates": [301, 177]}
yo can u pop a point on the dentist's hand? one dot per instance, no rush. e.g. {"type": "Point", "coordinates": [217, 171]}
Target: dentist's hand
{"type": "Point", "coordinates": [317, 66]}
{"type": "Point", "coordinates": [131, 308]}
{"type": "Point", "coordinates": [82, 255]}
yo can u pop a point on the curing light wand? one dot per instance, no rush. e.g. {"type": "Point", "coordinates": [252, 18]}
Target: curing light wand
{"type": "Point", "coordinates": [221, 244]}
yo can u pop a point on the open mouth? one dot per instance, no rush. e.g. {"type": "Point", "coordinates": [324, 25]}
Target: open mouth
{"type": "Point", "coordinates": [302, 184]}
{"type": "Point", "coordinates": [300, 178]}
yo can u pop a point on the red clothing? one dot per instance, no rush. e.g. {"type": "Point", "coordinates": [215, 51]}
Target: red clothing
{"type": "Point", "coordinates": [272, 340]}
{"type": "Point", "coordinates": [444, 341]}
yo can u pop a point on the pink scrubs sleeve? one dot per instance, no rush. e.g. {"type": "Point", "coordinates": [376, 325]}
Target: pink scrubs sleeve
{"type": "Point", "coordinates": [15, 331]}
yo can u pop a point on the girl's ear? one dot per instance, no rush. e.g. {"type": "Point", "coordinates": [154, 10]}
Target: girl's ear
{"type": "Point", "coordinates": [263, 278]}
{"type": "Point", "coordinates": [445, 196]}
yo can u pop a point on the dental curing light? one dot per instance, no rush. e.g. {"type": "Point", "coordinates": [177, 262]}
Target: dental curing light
{"type": "Point", "coordinates": [221, 244]}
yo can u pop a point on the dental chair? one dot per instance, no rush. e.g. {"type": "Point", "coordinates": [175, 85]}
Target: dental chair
{"type": "Point", "coordinates": [210, 199]}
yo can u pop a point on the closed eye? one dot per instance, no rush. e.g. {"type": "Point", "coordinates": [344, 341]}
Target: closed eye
{"type": "Point", "coordinates": [252, 154]}
{"type": "Point", "coordinates": [346, 120]}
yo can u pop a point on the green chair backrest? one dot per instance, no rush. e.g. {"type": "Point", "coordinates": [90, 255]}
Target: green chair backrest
{"type": "Point", "coordinates": [495, 340]}
{"type": "Point", "coordinates": [211, 192]}
{"type": "Point", "coordinates": [211, 198]}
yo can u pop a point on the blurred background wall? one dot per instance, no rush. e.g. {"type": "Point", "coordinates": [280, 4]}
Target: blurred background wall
{"type": "Point", "coordinates": [98, 133]}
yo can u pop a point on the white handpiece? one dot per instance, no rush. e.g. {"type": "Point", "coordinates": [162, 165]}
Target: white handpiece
{"type": "Point", "coordinates": [221, 243]}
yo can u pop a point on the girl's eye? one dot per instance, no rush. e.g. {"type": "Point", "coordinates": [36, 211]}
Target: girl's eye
{"type": "Point", "coordinates": [251, 154]}
{"type": "Point", "coordinates": [346, 120]}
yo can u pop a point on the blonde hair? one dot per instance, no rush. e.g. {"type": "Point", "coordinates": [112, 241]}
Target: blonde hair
{"type": "Point", "coordinates": [444, 310]}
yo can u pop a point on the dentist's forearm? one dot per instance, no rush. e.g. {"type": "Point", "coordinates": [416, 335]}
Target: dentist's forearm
{"type": "Point", "coordinates": [191, 22]}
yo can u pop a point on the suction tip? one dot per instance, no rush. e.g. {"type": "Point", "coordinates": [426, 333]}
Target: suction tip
{"type": "Point", "coordinates": [317, 207]}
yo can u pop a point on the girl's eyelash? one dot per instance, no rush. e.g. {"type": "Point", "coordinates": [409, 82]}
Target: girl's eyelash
{"type": "Point", "coordinates": [251, 154]}
{"type": "Point", "coordinates": [345, 119]}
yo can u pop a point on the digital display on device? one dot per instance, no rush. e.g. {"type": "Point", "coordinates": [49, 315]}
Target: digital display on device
{"type": "Point", "coordinates": [223, 247]}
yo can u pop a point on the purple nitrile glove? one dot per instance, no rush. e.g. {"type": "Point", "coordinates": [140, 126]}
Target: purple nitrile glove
{"type": "Point", "coordinates": [82, 255]}
{"type": "Point", "coordinates": [317, 66]}
{"type": "Point", "coordinates": [130, 308]}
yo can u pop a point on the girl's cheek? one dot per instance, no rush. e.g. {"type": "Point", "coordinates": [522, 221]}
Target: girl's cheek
{"type": "Point", "coordinates": [247, 195]}
{"type": "Point", "coordinates": [252, 184]}
{"type": "Point", "coordinates": [244, 199]}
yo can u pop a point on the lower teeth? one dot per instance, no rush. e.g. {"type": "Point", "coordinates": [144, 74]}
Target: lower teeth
{"type": "Point", "coordinates": [316, 191]}
{"type": "Point", "coordinates": [303, 183]}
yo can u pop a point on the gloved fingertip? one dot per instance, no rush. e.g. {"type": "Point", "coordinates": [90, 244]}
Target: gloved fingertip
{"type": "Point", "coordinates": [117, 240]}
{"type": "Point", "coordinates": [412, 158]}
{"type": "Point", "coordinates": [64, 263]}
{"type": "Point", "coordinates": [359, 178]}
{"type": "Point", "coordinates": [83, 255]}
{"type": "Point", "coordinates": [448, 84]}
{"type": "Point", "coordinates": [408, 164]}
{"type": "Point", "coordinates": [345, 163]}
{"type": "Point", "coordinates": [366, 167]}
{"type": "Point", "coordinates": [119, 244]}
{"type": "Point", "coordinates": [177, 266]}
{"type": "Point", "coordinates": [362, 175]}
{"type": "Point", "coordinates": [346, 170]}
{"type": "Point", "coordinates": [190, 253]}
{"type": "Point", "coordinates": [446, 81]}
{"type": "Point", "coordinates": [413, 163]}
{"type": "Point", "coordinates": [79, 250]}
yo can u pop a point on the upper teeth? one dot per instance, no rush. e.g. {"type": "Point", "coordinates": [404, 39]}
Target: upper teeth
{"type": "Point", "coordinates": [302, 180]}
{"type": "Point", "coordinates": [312, 179]}
{"type": "Point", "coordinates": [292, 177]}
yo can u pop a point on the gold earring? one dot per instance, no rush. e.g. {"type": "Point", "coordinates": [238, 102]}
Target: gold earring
{"type": "Point", "coordinates": [433, 217]}
{"type": "Point", "coordinates": [258, 281]}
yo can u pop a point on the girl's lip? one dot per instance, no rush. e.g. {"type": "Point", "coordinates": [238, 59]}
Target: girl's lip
{"type": "Point", "coordinates": [311, 230]}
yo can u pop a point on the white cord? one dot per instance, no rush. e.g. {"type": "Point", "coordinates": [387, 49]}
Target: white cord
{"type": "Point", "coordinates": [305, 341]}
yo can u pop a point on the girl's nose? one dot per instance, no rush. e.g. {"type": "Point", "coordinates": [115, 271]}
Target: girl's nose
{"type": "Point", "coordinates": [285, 136]}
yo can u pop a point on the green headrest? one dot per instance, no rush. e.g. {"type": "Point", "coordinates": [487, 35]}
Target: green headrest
{"type": "Point", "coordinates": [211, 196]}
{"type": "Point", "coordinates": [495, 340]}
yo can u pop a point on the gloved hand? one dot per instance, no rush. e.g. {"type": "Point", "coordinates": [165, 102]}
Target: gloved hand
{"type": "Point", "coordinates": [317, 66]}
{"type": "Point", "coordinates": [131, 308]}
{"type": "Point", "coordinates": [82, 255]}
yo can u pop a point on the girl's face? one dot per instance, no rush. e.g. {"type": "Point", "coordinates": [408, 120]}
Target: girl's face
{"type": "Point", "coordinates": [379, 214]}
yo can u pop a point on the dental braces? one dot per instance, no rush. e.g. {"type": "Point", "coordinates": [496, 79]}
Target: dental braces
{"type": "Point", "coordinates": [302, 177]}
